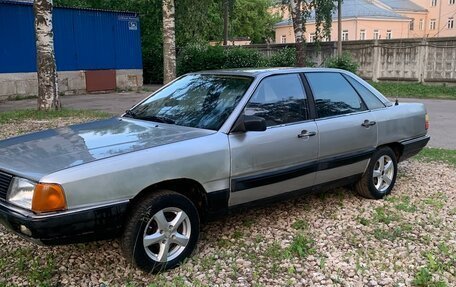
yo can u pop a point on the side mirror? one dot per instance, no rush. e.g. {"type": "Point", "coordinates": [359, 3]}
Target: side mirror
{"type": "Point", "coordinates": [250, 123]}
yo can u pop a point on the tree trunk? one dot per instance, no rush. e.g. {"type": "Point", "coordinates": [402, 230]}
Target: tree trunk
{"type": "Point", "coordinates": [48, 94]}
{"type": "Point", "coordinates": [169, 42]}
{"type": "Point", "coordinates": [298, 27]}
{"type": "Point", "coordinates": [339, 28]}
{"type": "Point", "coordinates": [226, 7]}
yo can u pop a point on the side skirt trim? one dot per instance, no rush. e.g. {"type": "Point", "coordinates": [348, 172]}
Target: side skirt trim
{"type": "Point", "coordinates": [248, 182]}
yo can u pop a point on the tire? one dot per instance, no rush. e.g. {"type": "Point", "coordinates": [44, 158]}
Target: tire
{"type": "Point", "coordinates": [376, 182]}
{"type": "Point", "coordinates": [150, 223]}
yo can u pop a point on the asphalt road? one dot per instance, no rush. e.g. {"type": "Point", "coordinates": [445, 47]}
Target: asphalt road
{"type": "Point", "coordinates": [442, 112]}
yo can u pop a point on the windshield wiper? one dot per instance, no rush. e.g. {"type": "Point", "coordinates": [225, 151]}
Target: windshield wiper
{"type": "Point", "coordinates": [159, 119]}
{"type": "Point", "coordinates": [129, 114]}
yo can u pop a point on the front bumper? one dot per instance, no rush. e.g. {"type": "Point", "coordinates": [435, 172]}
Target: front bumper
{"type": "Point", "coordinates": [413, 146]}
{"type": "Point", "coordinates": [75, 226]}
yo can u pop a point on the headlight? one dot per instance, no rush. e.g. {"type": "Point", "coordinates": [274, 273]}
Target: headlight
{"type": "Point", "coordinates": [38, 197]}
{"type": "Point", "coordinates": [21, 192]}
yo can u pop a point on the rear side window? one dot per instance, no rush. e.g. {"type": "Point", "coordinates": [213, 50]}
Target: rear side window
{"type": "Point", "coordinates": [279, 100]}
{"type": "Point", "coordinates": [333, 95]}
{"type": "Point", "coordinates": [372, 102]}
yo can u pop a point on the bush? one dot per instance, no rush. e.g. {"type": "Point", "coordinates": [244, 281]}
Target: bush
{"type": "Point", "coordinates": [344, 62]}
{"type": "Point", "coordinates": [283, 58]}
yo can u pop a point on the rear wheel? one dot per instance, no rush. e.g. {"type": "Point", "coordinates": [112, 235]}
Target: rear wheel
{"type": "Point", "coordinates": [380, 176]}
{"type": "Point", "coordinates": [161, 232]}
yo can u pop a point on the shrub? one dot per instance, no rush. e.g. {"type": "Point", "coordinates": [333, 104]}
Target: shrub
{"type": "Point", "coordinates": [283, 58]}
{"type": "Point", "coordinates": [344, 62]}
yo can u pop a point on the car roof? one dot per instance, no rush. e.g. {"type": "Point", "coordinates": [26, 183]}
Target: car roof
{"type": "Point", "coordinates": [255, 72]}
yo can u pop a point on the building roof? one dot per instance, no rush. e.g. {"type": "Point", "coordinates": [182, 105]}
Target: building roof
{"type": "Point", "coordinates": [356, 9]}
{"type": "Point", "coordinates": [403, 5]}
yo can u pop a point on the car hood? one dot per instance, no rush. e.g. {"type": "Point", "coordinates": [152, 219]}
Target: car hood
{"type": "Point", "coordinates": [37, 154]}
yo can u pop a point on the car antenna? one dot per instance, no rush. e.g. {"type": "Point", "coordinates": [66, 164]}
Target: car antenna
{"type": "Point", "coordinates": [396, 103]}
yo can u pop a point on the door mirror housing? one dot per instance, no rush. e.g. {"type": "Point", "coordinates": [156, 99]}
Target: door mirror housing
{"type": "Point", "coordinates": [250, 123]}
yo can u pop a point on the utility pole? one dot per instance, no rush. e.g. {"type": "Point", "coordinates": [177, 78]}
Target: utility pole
{"type": "Point", "coordinates": [339, 28]}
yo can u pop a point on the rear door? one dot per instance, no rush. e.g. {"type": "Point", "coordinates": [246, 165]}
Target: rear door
{"type": "Point", "coordinates": [282, 158]}
{"type": "Point", "coordinates": [347, 130]}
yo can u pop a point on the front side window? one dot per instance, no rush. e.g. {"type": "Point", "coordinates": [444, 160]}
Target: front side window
{"type": "Point", "coordinates": [279, 100]}
{"type": "Point", "coordinates": [333, 95]}
{"type": "Point", "coordinates": [198, 100]}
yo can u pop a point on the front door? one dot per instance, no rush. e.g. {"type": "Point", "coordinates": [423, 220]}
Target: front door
{"type": "Point", "coordinates": [282, 158]}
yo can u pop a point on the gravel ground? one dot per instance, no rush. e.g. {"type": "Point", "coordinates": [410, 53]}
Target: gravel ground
{"type": "Point", "coordinates": [330, 239]}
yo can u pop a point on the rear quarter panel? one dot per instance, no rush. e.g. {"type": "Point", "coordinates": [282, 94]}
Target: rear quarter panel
{"type": "Point", "coordinates": [401, 122]}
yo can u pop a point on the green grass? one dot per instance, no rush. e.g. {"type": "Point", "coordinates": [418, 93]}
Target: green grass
{"type": "Point", "coordinates": [438, 155]}
{"type": "Point", "coordinates": [29, 114]}
{"type": "Point", "coordinates": [415, 90]}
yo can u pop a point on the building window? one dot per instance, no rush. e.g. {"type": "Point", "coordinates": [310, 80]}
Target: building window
{"type": "Point", "coordinates": [389, 34]}
{"type": "Point", "coordinates": [362, 34]}
{"type": "Point", "coordinates": [311, 37]}
{"type": "Point", "coordinates": [451, 2]}
{"type": "Point", "coordinates": [376, 34]}
{"type": "Point", "coordinates": [412, 25]}
{"type": "Point", "coordinates": [432, 24]}
{"type": "Point", "coordinates": [421, 24]}
{"type": "Point", "coordinates": [344, 35]}
{"type": "Point", "coordinates": [433, 2]}
{"type": "Point", "coordinates": [283, 40]}
{"type": "Point", "coordinates": [450, 24]}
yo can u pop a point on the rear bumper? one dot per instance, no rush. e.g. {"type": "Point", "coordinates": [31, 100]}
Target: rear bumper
{"type": "Point", "coordinates": [96, 223]}
{"type": "Point", "coordinates": [413, 146]}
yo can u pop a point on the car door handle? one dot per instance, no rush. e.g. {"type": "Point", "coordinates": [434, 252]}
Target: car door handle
{"type": "Point", "coordinates": [305, 133]}
{"type": "Point", "coordinates": [368, 123]}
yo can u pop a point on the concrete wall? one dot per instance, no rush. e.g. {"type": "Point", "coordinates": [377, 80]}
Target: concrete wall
{"type": "Point", "coordinates": [417, 60]}
{"type": "Point", "coordinates": [70, 82]}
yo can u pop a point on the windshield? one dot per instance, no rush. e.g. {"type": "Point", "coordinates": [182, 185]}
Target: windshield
{"type": "Point", "coordinates": [199, 101]}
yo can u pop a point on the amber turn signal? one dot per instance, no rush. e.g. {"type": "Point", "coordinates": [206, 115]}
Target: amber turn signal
{"type": "Point", "coordinates": [48, 197]}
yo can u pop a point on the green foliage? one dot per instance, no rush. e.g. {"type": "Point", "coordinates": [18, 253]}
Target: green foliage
{"type": "Point", "coordinates": [438, 155]}
{"type": "Point", "coordinates": [344, 62]}
{"type": "Point", "coordinates": [302, 246]}
{"type": "Point", "coordinates": [250, 18]}
{"type": "Point", "coordinates": [198, 57]}
{"type": "Point", "coordinates": [283, 58]}
{"type": "Point", "coordinates": [30, 114]}
{"type": "Point", "coordinates": [415, 90]}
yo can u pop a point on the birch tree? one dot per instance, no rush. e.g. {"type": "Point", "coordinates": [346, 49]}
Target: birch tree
{"type": "Point", "coordinates": [48, 95]}
{"type": "Point", "coordinates": [301, 10]}
{"type": "Point", "coordinates": [169, 42]}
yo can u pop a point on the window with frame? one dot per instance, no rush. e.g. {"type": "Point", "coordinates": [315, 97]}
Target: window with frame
{"type": "Point", "coordinates": [279, 99]}
{"type": "Point", "coordinates": [451, 2]}
{"type": "Point", "coordinates": [371, 100]}
{"type": "Point", "coordinates": [376, 34]}
{"type": "Point", "coordinates": [311, 37]}
{"type": "Point", "coordinates": [345, 35]}
{"type": "Point", "coordinates": [433, 2]}
{"type": "Point", "coordinates": [389, 34]}
{"type": "Point", "coordinates": [450, 23]}
{"type": "Point", "coordinates": [362, 34]}
{"type": "Point", "coordinates": [421, 24]}
{"type": "Point", "coordinates": [338, 98]}
{"type": "Point", "coordinates": [432, 24]}
{"type": "Point", "coordinates": [412, 25]}
{"type": "Point", "coordinates": [283, 40]}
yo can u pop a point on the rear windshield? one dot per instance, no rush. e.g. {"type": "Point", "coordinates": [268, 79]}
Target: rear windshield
{"type": "Point", "coordinates": [197, 100]}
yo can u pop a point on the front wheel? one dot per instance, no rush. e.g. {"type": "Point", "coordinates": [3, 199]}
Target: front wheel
{"type": "Point", "coordinates": [161, 231]}
{"type": "Point", "coordinates": [380, 176]}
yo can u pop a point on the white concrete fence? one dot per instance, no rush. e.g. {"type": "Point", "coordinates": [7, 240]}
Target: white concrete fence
{"type": "Point", "coordinates": [430, 60]}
